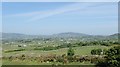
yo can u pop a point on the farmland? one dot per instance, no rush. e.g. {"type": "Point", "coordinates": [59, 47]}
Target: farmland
{"type": "Point", "coordinates": [49, 50]}
{"type": "Point", "coordinates": [85, 50]}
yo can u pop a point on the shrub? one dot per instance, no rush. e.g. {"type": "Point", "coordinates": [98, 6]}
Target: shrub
{"type": "Point", "coordinates": [7, 51]}
{"type": "Point", "coordinates": [112, 58]}
{"type": "Point", "coordinates": [70, 52]}
{"type": "Point", "coordinates": [96, 51]}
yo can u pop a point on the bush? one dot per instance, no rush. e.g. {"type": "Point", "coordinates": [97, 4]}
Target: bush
{"type": "Point", "coordinates": [14, 50]}
{"type": "Point", "coordinates": [46, 48]}
{"type": "Point", "coordinates": [93, 52]}
{"type": "Point", "coordinates": [112, 58]}
{"type": "Point", "coordinates": [70, 52]}
{"type": "Point", "coordinates": [96, 51]}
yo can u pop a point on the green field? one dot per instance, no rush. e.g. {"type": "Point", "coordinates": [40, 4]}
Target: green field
{"type": "Point", "coordinates": [84, 50]}
{"type": "Point", "coordinates": [49, 51]}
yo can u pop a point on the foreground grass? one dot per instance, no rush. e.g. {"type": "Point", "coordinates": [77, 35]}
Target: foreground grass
{"type": "Point", "coordinates": [28, 62]}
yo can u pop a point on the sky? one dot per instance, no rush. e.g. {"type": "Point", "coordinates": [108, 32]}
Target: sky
{"type": "Point", "coordinates": [60, 0]}
{"type": "Point", "coordinates": [97, 18]}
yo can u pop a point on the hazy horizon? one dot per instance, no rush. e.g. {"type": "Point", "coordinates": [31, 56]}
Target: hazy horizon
{"type": "Point", "coordinates": [57, 33]}
{"type": "Point", "coordinates": [48, 18]}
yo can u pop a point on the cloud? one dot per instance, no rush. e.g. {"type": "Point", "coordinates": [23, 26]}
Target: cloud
{"type": "Point", "coordinates": [34, 16]}
{"type": "Point", "coordinates": [67, 8]}
{"type": "Point", "coordinates": [43, 14]}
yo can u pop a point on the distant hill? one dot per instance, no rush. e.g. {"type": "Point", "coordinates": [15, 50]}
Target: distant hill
{"type": "Point", "coordinates": [12, 35]}
{"type": "Point", "coordinates": [16, 36]}
{"type": "Point", "coordinates": [70, 34]}
{"type": "Point", "coordinates": [63, 35]}
{"type": "Point", "coordinates": [114, 35]}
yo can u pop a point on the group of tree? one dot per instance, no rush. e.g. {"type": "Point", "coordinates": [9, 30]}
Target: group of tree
{"type": "Point", "coordinates": [112, 58]}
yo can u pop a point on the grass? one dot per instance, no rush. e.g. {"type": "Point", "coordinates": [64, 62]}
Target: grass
{"type": "Point", "coordinates": [84, 50]}
{"type": "Point", "coordinates": [28, 62]}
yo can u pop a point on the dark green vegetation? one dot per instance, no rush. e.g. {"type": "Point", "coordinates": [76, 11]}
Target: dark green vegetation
{"type": "Point", "coordinates": [64, 48]}
{"type": "Point", "coordinates": [96, 51]}
{"type": "Point", "coordinates": [14, 50]}
{"type": "Point", "coordinates": [112, 58]}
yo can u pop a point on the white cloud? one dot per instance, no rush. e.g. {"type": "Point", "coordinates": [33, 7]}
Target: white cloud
{"type": "Point", "coordinates": [34, 16]}
{"type": "Point", "coordinates": [82, 7]}
{"type": "Point", "coordinates": [67, 8]}
{"type": "Point", "coordinates": [43, 14]}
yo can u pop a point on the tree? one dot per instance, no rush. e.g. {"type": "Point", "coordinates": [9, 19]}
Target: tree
{"type": "Point", "coordinates": [93, 52]}
{"type": "Point", "coordinates": [70, 52]}
{"type": "Point", "coordinates": [112, 58]}
{"type": "Point", "coordinates": [96, 51]}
